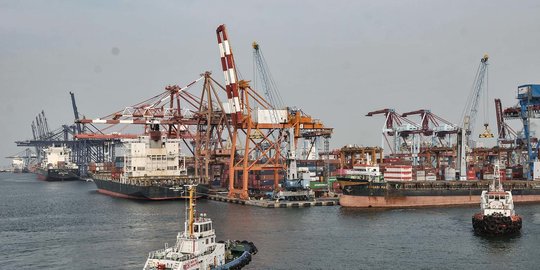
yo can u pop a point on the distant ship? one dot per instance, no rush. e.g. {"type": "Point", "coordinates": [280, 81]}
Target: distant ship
{"type": "Point", "coordinates": [152, 168]}
{"type": "Point", "coordinates": [17, 165]}
{"type": "Point", "coordinates": [56, 165]}
{"type": "Point", "coordinates": [399, 191]}
{"type": "Point", "coordinates": [497, 216]}
{"type": "Point", "coordinates": [196, 247]}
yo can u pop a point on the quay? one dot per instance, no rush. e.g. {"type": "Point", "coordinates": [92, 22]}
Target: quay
{"type": "Point", "coordinates": [273, 204]}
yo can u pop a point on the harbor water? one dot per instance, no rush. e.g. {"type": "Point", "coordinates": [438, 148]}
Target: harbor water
{"type": "Point", "coordinates": [68, 225]}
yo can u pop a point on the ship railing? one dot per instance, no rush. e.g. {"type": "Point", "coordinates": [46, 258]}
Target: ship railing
{"type": "Point", "coordinates": [161, 254]}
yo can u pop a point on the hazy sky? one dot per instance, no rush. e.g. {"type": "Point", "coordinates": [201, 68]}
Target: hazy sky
{"type": "Point", "coordinates": [336, 60]}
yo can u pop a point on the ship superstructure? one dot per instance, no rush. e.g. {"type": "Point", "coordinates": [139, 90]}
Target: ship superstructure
{"type": "Point", "coordinates": [17, 165]}
{"type": "Point", "coordinates": [56, 164]}
{"type": "Point", "coordinates": [153, 168]}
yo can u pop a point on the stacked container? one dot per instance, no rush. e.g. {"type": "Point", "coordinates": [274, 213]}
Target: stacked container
{"type": "Point", "coordinates": [398, 173]}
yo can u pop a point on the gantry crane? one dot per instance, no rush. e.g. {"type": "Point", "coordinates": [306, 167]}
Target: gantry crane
{"type": "Point", "coordinates": [399, 128]}
{"type": "Point", "coordinates": [528, 108]}
{"type": "Point", "coordinates": [434, 126]}
{"type": "Point", "coordinates": [245, 131]}
{"type": "Point", "coordinates": [257, 126]}
{"type": "Point", "coordinates": [436, 133]}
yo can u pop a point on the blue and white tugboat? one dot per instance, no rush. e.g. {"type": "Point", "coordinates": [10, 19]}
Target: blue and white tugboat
{"type": "Point", "coordinates": [497, 216]}
{"type": "Point", "coordinates": [196, 247]}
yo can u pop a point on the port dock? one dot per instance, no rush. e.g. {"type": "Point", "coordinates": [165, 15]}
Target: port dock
{"type": "Point", "coordinates": [265, 203]}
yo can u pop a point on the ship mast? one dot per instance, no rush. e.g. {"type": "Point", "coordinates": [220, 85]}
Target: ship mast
{"type": "Point", "coordinates": [496, 185]}
{"type": "Point", "coordinates": [191, 189]}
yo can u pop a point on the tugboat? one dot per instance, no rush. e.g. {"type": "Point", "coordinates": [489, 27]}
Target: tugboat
{"type": "Point", "coordinates": [196, 247]}
{"type": "Point", "coordinates": [497, 216]}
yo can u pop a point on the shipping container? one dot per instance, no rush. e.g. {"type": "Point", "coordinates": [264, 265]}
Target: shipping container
{"type": "Point", "coordinates": [450, 174]}
{"type": "Point", "coordinates": [471, 174]}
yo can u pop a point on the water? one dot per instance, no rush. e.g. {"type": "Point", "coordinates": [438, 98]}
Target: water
{"type": "Point", "coordinates": [70, 226]}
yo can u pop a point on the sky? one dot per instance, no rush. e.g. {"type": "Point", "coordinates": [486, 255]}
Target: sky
{"type": "Point", "coordinates": [336, 60]}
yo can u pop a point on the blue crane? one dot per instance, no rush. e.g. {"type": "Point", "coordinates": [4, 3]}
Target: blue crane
{"type": "Point", "coordinates": [529, 103]}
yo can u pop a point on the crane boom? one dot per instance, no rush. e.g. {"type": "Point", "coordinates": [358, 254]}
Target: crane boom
{"type": "Point", "coordinates": [267, 82]}
{"type": "Point", "coordinates": [229, 71]}
{"type": "Point", "coordinates": [75, 112]}
{"type": "Point", "coordinates": [471, 108]}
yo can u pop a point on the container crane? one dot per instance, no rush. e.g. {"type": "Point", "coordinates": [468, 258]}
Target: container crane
{"type": "Point", "coordinates": [258, 125]}
{"type": "Point", "coordinates": [529, 105]}
{"type": "Point", "coordinates": [397, 127]}
{"type": "Point", "coordinates": [433, 125]}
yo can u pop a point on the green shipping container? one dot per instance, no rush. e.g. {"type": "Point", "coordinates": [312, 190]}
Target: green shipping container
{"type": "Point", "coordinates": [318, 185]}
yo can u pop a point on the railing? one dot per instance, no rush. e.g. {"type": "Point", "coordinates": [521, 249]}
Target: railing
{"type": "Point", "coordinates": [162, 254]}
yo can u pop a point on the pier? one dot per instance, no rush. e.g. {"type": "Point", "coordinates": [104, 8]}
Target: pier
{"type": "Point", "coordinates": [273, 204]}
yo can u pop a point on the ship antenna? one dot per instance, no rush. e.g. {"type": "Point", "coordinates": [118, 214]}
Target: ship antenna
{"type": "Point", "coordinates": [497, 177]}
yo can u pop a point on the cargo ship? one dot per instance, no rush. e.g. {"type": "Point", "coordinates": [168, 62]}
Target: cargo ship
{"type": "Point", "coordinates": [56, 165]}
{"type": "Point", "coordinates": [17, 165]}
{"type": "Point", "coordinates": [402, 192]}
{"type": "Point", "coordinates": [151, 168]}
{"type": "Point", "coordinates": [196, 247]}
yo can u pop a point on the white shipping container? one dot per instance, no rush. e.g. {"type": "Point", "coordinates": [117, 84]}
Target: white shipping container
{"type": "Point", "coordinates": [270, 116]}
{"type": "Point", "coordinates": [390, 169]}
{"type": "Point", "coordinates": [508, 173]}
{"type": "Point", "coordinates": [536, 170]}
{"type": "Point", "coordinates": [450, 174]}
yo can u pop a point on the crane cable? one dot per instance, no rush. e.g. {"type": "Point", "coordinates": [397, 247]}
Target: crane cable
{"type": "Point", "coordinates": [486, 106]}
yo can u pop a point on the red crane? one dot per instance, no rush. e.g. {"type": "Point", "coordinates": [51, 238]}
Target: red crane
{"type": "Point", "coordinates": [506, 134]}
{"type": "Point", "coordinates": [396, 126]}
{"type": "Point", "coordinates": [432, 124]}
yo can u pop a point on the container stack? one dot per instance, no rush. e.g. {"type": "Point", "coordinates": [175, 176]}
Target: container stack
{"type": "Point", "coordinates": [398, 173]}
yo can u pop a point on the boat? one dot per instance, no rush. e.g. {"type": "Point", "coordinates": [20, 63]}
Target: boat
{"type": "Point", "coordinates": [17, 165]}
{"type": "Point", "coordinates": [385, 193]}
{"type": "Point", "coordinates": [151, 168]}
{"type": "Point", "coordinates": [497, 215]}
{"type": "Point", "coordinates": [56, 165]}
{"type": "Point", "coordinates": [196, 247]}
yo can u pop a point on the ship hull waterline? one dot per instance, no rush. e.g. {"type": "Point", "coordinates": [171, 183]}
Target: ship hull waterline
{"type": "Point", "coordinates": [420, 201]}
{"type": "Point", "coordinates": [128, 191]}
{"type": "Point", "coordinates": [58, 175]}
